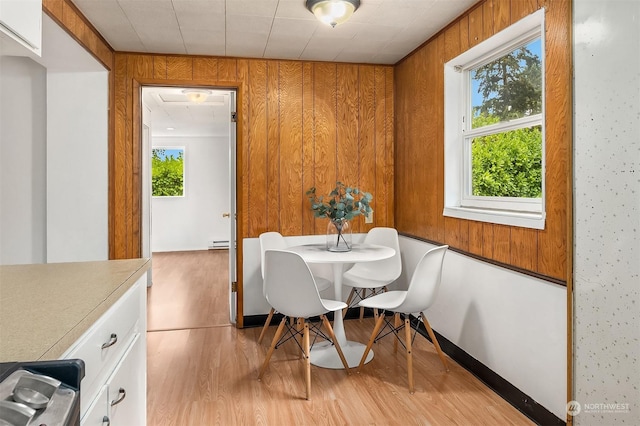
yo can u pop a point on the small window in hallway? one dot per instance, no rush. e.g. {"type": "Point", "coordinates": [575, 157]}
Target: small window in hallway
{"type": "Point", "coordinates": [167, 172]}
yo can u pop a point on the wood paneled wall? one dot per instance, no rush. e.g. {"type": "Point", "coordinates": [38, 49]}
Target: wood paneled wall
{"type": "Point", "coordinates": [419, 85]}
{"type": "Point", "coordinates": [300, 124]}
{"type": "Point", "coordinates": [65, 13]}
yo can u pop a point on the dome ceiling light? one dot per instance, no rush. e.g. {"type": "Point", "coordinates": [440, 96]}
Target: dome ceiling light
{"type": "Point", "coordinates": [197, 96]}
{"type": "Point", "coordinates": [333, 12]}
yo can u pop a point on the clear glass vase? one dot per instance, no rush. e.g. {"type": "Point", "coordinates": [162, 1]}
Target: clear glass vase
{"type": "Point", "coordinates": [339, 235]}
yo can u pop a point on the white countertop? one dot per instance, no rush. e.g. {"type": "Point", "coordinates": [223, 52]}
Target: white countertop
{"type": "Point", "coordinates": [44, 308]}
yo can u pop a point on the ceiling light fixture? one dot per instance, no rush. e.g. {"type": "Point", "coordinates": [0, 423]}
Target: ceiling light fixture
{"type": "Point", "coordinates": [197, 96]}
{"type": "Point", "coordinates": [333, 12]}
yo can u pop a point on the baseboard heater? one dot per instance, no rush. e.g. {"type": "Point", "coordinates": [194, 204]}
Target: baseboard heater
{"type": "Point", "coordinates": [218, 244]}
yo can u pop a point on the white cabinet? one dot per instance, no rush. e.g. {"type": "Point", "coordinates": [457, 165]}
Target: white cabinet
{"type": "Point", "coordinates": [21, 20]}
{"type": "Point", "coordinates": [119, 400]}
{"type": "Point", "coordinates": [114, 351]}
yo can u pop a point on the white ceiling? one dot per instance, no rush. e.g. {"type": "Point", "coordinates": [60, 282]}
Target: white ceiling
{"type": "Point", "coordinates": [172, 115]}
{"type": "Point", "coordinates": [380, 32]}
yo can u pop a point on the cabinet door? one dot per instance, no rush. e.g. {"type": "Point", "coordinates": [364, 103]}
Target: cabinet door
{"type": "Point", "coordinates": [127, 388]}
{"type": "Point", "coordinates": [98, 412]}
{"type": "Point", "coordinates": [23, 19]}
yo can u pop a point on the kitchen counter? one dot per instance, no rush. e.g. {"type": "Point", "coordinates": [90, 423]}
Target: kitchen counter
{"type": "Point", "coordinates": [45, 308]}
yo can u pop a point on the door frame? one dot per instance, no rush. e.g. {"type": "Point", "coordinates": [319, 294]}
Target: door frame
{"type": "Point", "coordinates": [137, 147]}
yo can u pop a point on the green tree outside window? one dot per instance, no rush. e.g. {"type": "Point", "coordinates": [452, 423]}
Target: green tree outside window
{"type": "Point", "coordinates": [167, 172]}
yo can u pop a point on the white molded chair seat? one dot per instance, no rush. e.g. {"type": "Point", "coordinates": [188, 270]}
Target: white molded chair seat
{"type": "Point", "coordinates": [290, 288]}
{"type": "Point", "coordinates": [275, 240]}
{"type": "Point", "coordinates": [422, 291]}
{"type": "Point", "coordinates": [374, 276]}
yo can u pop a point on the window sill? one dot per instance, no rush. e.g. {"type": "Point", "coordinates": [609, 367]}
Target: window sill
{"type": "Point", "coordinates": [501, 217]}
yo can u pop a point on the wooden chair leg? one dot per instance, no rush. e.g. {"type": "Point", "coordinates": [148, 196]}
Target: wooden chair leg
{"type": "Point", "coordinates": [307, 359]}
{"type": "Point", "coordinates": [435, 341]}
{"type": "Point", "coordinates": [274, 342]}
{"type": "Point", "coordinates": [396, 324]}
{"type": "Point", "coordinates": [376, 329]}
{"type": "Point", "coordinates": [327, 325]}
{"type": "Point", "coordinates": [266, 325]}
{"type": "Point", "coordinates": [407, 327]}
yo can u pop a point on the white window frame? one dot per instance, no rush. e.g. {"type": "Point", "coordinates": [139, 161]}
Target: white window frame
{"type": "Point", "coordinates": [459, 203]}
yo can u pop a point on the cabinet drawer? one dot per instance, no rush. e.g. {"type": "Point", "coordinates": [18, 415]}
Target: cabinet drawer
{"type": "Point", "coordinates": [127, 388]}
{"type": "Point", "coordinates": [103, 345]}
{"type": "Point", "coordinates": [98, 413]}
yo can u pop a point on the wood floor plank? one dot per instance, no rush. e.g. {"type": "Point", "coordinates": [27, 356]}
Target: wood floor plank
{"type": "Point", "coordinates": [208, 376]}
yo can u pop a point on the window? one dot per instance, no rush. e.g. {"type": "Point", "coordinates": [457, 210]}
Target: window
{"type": "Point", "coordinates": [494, 128]}
{"type": "Point", "coordinates": [167, 172]}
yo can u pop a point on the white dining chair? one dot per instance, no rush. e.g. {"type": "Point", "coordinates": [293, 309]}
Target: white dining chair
{"type": "Point", "coordinates": [422, 292]}
{"type": "Point", "coordinates": [291, 289]}
{"type": "Point", "coordinates": [374, 277]}
{"type": "Point", "coordinates": [275, 240]}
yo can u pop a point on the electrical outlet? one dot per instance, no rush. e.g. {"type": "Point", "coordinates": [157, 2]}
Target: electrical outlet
{"type": "Point", "coordinates": [369, 218]}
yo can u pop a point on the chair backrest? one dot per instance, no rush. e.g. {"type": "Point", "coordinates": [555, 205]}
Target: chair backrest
{"type": "Point", "coordinates": [289, 285]}
{"type": "Point", "coordinates": [425, 282]}
{"type": "Point", "coordinates": [383, 270]}
{"type": "Point", "coordinates": [269, 241]}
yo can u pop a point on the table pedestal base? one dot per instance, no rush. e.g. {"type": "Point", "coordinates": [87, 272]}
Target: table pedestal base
{"type": "Point", "coordinates": [326, 356]}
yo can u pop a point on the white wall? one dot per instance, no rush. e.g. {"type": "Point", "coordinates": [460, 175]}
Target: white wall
{"type": "Point", "coordinates": [606, 325]}
{"type": "Point", "coordinates": [22, 161]}
{"type": "Point", "coordinates": [190, 222]}
{"type": "Point", "coordinates": [53, 152]}
{"type": "Point", "coordinates": [77, 167]}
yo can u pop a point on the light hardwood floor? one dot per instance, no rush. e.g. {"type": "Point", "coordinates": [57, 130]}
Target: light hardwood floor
{"type": "Point", "coordinates": [203, 371]}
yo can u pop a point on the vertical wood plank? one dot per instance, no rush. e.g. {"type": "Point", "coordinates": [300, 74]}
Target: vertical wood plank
{"type": "Point", "coordinates": [502, 243]}
{"type": "Point", "coordinates": [438, 90]}
{"type": "Point", "coordinates": [524, 248]}
{"type": "Point", "coordinates": [475, 238]}
{"type": "Point", "coordinates": [119, 172]}
{"type": "Point", "coordinates": [452, 232]}
{"type": "Point", "coordinates": [347, 155]}
{"type": "Point", "coordinates": [452, 41]}
{"type": "Point", "coordinates": [308, 145]}
{"type": "Point", "coordinates": [159, 67]}
{"type": "Point", "coordinates": [142, 67]}
{"type": "Point", "coordinates": [227, 69]}
{"type": "Point", "coordinates": [325, 84]}
{"type": "Point", "coordinates": [257, 133]}
{"type": "Point", "coordinates": [380, 216]}
{"type": "Point", "coordinates": [487, 240]}
{"type": "Point", "coordinates": [464, 34]}
{"type": "Point", "coordinates": [488, 12]}
{"type": "Point", "coordinates": [273, 147]}
{"type": "Point", "coordinates": [179, 68]}
{"type": "Point", "coordinates": [367, 148]}
{"type": "Point", "coordinates": [522, 8]}
{"type": "Point", "coordinates": [243, 141]}
{"type": "Point", "coordinates": [291, 191]}
{"type": "Point", "coordinates": [476, 32]}
{"type": "Point", "coordinates": [552, 241]}
{"type": "Point", "coordinates": [389, 167]}
{"type": "Point", "coordinates": [502, 17]}
{"type": "Point", "coordinates": [205, 69]}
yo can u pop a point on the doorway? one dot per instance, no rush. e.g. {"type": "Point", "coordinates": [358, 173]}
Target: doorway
{"type": "Point", "coordinates": [192, 129]}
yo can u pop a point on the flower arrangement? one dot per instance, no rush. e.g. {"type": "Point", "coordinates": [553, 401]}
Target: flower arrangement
{"type": "Point", "coordinates": [343, 203]}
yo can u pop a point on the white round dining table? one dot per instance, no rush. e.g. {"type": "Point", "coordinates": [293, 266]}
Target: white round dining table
{"type": "Point", "coordinates": [325, 355]}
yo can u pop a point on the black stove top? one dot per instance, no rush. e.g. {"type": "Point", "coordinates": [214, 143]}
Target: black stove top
{"type": "Point", "coordinates": [63, 407]}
